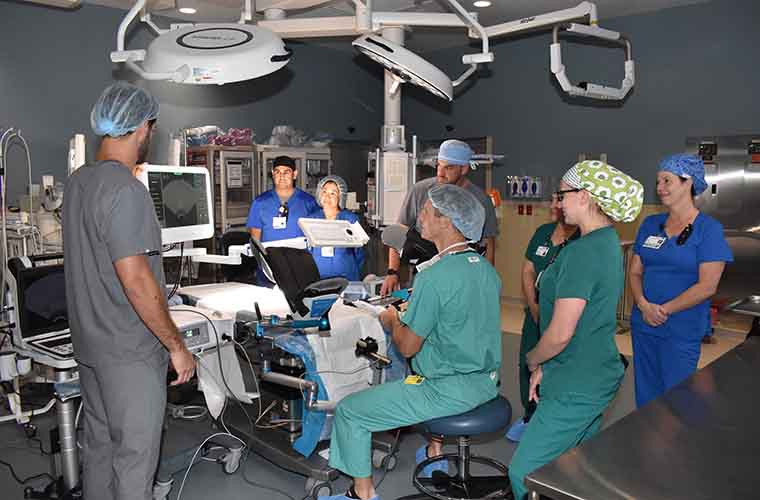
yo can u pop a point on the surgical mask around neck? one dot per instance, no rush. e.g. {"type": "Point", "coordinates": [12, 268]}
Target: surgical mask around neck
{"type": "Point", "coordinates": [430, 263]}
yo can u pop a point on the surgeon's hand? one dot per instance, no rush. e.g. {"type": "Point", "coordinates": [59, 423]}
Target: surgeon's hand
{"type": "Point", "coordinates": [388, 318]}
{"type": "Point", "coordinates": [183, 363]}
{"type": "Point", "coordinates": [535, 381]}
{"type": "Point", "coordinates": [653, 314]}
{"type": "Point", "coordinates": [390, 284]}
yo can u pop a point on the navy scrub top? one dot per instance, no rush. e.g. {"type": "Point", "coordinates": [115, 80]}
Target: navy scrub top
{"type": "Point", "coordinates": [672, 269]}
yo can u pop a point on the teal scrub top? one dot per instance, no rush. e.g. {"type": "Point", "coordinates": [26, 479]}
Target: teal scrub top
{"type": "Point", "coordinates": [541, 250]}
{"type": "Point", "coordinates": [590, 269]}
{"type": "Point", "coordinates": [455, 307]}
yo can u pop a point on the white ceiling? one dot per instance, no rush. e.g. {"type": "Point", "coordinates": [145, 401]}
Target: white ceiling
{"type": "Point", "coordinates": [499, 11]}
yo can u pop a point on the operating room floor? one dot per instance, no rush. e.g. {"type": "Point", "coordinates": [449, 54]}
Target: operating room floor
{"type": "Point", "coordinates": [208, 479]}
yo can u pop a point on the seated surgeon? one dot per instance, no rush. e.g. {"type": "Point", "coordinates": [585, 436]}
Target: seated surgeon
{"type": "Point", "coordinates": [334, 261]}
{"type": "Point", "coordinates": [452, 331]}
{"type": "Point", "coordinates": [274, 214]}
{"type": "Point", "coordinates": [576, 360]}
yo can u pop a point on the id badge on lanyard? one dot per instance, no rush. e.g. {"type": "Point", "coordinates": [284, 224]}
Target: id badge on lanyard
{"type": "Point", "coordinates": [279, 222]}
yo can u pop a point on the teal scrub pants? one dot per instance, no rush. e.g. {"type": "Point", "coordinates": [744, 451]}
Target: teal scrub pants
{"type": "Point", "coordinates": [559, 424]}
{"type": "Point", "coordinates": [396, 404]}
{"type": "Point", "coordinates": [528, 340]}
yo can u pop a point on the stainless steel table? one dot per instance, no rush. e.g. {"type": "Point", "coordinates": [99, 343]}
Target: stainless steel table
{"type": "Point", "coordinates": [699, 441]}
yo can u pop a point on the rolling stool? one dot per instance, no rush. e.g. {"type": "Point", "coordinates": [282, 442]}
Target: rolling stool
{"type": "Point", "coordinates": [489, 417]}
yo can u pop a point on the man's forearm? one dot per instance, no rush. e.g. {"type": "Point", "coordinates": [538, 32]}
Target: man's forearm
{"type": "Point", "coordinates": [148, 299]}
{"type": "Point", "coordinates": [394, 259]}
{"type": "Point", "coordinates": [150, 304]}
{"type": "Point", "coordinates": [407, 342]}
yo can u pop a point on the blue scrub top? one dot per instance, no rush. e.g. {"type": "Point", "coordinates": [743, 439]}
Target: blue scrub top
{"type": "Point", "coordinates": [672, 269]}
{"type": "Point", "coordinates": [345, 262]}
{"type": "Point", "coordinates": [266, 207]}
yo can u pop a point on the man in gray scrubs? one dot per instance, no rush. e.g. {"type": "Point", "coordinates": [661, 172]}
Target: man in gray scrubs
{"type": "Point", "coordinates": [451, 168]}
{"type": "Point", "coordinates": [122, 332]}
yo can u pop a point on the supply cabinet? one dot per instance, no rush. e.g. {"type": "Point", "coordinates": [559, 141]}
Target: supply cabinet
{"type": "Point", "coordinates": [234, 176]}
{"type": "Point", "coordinates": [312, 164]}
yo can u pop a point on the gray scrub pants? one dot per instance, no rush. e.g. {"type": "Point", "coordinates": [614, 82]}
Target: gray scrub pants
{"type": "Point", "coordinates": [124, 405]}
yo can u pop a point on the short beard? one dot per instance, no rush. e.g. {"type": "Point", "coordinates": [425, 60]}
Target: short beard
{"type": "Point", "coordinates": [142, 150]}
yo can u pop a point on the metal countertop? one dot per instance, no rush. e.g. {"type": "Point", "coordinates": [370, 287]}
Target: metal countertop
{"type": "Point", "coordinates": [699, 441]}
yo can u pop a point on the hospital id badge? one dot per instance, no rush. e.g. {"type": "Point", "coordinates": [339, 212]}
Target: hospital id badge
{"type": "Point", "coordinates": [542, 251]}
{"type": "Point", "coordinates": [414, 380]}
{"type": "Point", "coordinates": [328, 251]}
{"type": "Point", "coordinates": [279, 222]}
{"type": "Point", "coordinates": [654, 242]}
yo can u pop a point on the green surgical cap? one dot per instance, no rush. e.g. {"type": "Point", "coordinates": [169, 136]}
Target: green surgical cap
{"type": "Point", "coordinates": [619, 195]}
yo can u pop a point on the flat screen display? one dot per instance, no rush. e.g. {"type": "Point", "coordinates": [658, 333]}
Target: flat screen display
{"type": "Point", "coordinates": [42, 300]}
{"type": "Point", "coordinates": [179, 198]}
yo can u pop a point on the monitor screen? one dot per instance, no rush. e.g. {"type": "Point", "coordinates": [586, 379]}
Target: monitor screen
{"type": "Point", "coordinates": [42, 300]}
{"type": "Point", "coordinates": [179, 198]}
{"type": "Point", "coordinates": [182, 200]}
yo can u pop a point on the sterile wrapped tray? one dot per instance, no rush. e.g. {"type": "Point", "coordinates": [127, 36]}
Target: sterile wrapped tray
{"type": "Point", "coordinates": [748, 305]}
{"type": "Point", "coordinates": [333, 233]}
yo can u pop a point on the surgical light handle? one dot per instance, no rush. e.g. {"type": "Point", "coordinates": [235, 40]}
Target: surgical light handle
{"type": "Point", "coordinates": [592, 90]}
{"type": "Point", "coordinates": [132, 57]}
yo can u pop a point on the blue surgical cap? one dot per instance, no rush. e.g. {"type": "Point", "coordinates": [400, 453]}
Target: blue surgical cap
{"type": "Point", "coordinates": [121, 109]}
{"type": "Point", "coordinates": [462, 207]}
{"type": "Point", "coordinates": [455, 152]}
{"type": "Point", "coordinates": [688, 167]}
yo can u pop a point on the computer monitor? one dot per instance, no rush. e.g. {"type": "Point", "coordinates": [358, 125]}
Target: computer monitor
{"type": "Point", "coordinates": [38, 294]}
{"type": "Point", "coordinates": [183, 201]}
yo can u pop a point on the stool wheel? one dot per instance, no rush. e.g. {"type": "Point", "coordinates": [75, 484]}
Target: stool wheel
{"type": "Point", "coordinates": [453, 487]}
{"type": "Point", "coordinates": [316, 488]}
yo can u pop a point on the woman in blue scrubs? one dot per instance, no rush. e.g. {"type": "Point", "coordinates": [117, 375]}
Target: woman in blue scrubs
{"type": "Point", "coordinates": [333, 261]}
{"type": "Point", "coordinates": [678, 260]}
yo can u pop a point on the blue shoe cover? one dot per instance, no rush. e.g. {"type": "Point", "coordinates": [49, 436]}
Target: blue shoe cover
{"type": "Point", "coordinates": [515, 432]}
{"type": "Point", "coordinates": [421, 455]}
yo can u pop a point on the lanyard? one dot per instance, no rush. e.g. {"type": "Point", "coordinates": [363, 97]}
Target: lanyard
{"type": "Point", "coordinates": [429, 263]}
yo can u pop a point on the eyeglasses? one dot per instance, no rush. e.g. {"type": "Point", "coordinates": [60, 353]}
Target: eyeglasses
{"type": "Point", "coordinates": [562, 192]}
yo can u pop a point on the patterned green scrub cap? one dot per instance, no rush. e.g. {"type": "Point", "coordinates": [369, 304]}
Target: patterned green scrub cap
{"type": "Point", "coordinates": [619, 195]}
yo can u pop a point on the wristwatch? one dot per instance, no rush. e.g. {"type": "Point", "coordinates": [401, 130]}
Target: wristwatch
{"type": "Point", "coordinates": [392, 272]}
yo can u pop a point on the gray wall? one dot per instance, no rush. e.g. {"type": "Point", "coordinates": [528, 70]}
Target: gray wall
{"type": "Point", "coordinates": [54, 64]}
{"type": "Point", "coordinates": [696, 75]}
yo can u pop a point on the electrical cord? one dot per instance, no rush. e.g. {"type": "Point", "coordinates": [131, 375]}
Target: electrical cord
{"type": "Point", "coordinates": [28, 479]}
{"type": "Point", "coordinates": [253, 373]}
{"type": "Point", "coordinates": [394, 450]}
{"type": "Point", "coordinates": [179, 278]}
{"type": "Point", "coordinates": [195, 455]}
{"type": "Point", "coordinates": [221, 369]}
{"type": "Point", "coordinates": [263, 487]}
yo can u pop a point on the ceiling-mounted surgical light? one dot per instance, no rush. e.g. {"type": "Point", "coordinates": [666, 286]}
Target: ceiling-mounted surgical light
{"type": "Point", "coordinates": [203, 54]}
{"type": "Point", "coordinates": [405, 65]}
